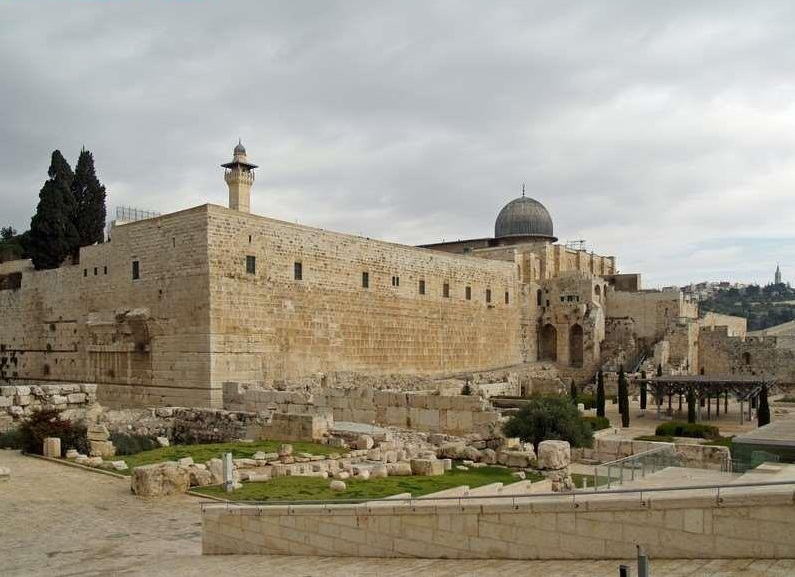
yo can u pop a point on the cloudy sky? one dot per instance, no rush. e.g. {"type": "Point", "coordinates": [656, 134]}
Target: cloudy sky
{"type": "Point", "coordinates": [660, 132]}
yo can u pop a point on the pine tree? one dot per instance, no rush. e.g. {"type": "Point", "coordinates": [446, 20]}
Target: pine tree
{"type": "Point", "coordinates": [691, 406]}
{"type": "Point", "coordinates": [600, 394]}
{"type": "Point", "coordinates": [623, 398]}
{"type": "Point", "coordinates": [89, 195]}
{"type": "Point", "coordinates": [52, 233]}
{"type": "Point", "coordinates": [643, 387]}
{"type": "Point", "coordinates": [763, 412]}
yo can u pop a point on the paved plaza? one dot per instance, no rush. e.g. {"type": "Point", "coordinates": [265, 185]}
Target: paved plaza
{"type": "Point", "coordinates": [60, 520]}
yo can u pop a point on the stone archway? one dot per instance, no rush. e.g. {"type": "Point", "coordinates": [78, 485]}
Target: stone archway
{"type": "Point", "coordinates": [576, 346]}
{"type": "Point", "coordinates": [548, 343]}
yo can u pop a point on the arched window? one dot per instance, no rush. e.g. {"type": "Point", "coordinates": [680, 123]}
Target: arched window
{"type": "Point", "coordinates": [747, 359]}
{"type": "Point", "coordinates": [548, 343]}
{"type": "Point", "coordinates": [539, 297]}
{"type": "Point", "coordinates": [598, 292]}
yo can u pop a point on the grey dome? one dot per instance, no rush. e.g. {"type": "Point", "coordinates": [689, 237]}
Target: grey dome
{"type": "Point", "coordinates": [523, 216]}
{"type": "Point", "coordinates": [239, 149]}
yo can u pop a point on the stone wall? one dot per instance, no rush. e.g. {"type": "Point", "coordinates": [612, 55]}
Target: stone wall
{"type": "Point", "coordinates": [18, 402]}
{"type": "Point", "coordinates": [721, 354]}
{"type": "Point", "coordinates": [743, 523]}
{"type": "Point", "coordinates": [451, 414]}
{"type": "Point", "coordinates": [693, 456]}
{"type": "Point", "coordinates": [653, 312]}
{"type": "Point", "coordinates": [268, 327]}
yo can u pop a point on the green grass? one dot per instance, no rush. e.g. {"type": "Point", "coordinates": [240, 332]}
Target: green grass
{"type": "Point", "coordinates": [203, 453]}
{"type": "Point", "coordinates": [313, 488]}
{"type": "Point", "coordinates": [658, 438]}
{"type": "Point", "coordinates": [721, 442]}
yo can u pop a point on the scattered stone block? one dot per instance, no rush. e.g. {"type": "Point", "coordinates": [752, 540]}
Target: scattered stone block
{"type": "Point", "coordinates": [119, 465]}
{"type": "Point", "coordinates": [374, 454]}
{"type": "Point", "coordinates": [259, 476]}
{"type": "Point", "coordinates": [378, 472]}
{"type": "Point", "coordinates": [427, 467]}
{"type": "Point", "coordinates": [447, 464]}
{"type": "Point", "coordinates": [471, 454]}
{"type": "Point", "coordinates": [5, 474]}
{"type": "Point", "coordinates": [461, 468]}
{"type": "Point", "coordinates": [216, 468]}
{"type": "Point", "coordinates": [554, 454]}
{"type": "Point", "coordinates": [200, 477]}
{"type": "Point", "coordinates": [163, 442]}
{"type": "Point", "coordinates": [338, 486]}
{"type": "Point", "coordinates": [285, 450]}
{"type": "Point", "coordinates": [72, 454]}
{"type": "Point", "coordinates": [52, 447]}
{"type": "Point", "coordinates": [102, 449]}
{"type": "Point", "coordinates": [488, 456]}
{"type": "Point", "coordinates": [81, 459]}
{"type": "Point", "coordinates": [519, 475]}
{"type": "Point", "coordinates": [98, 433]}
{"type": "Point", "coordinates": [159, 480]}
{"type": "Point", "coordinates": [94, 461]}
{"type": "Point", "coordinates": [399, 469]}
{"type": "Point", "coordinates": [186, 461]}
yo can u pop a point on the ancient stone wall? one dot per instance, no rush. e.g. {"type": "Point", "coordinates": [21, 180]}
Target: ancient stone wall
{"type": "Point", "coordinates": [737, 326]}
{"type": "Point", "coordinates": [721, 354]}
{"type": "Point", "coordinates": [652, 311]}
{"type": "Point", "coordinates": [142, 340]}
{"type": "Point", "coordinates": [269, 326]}
{"type": "Point", "coordinates": [694, 456]}
{"type": "Point", "coordinates": [743, 523]}
{"type": "Point", "coordinates": [18, 402]}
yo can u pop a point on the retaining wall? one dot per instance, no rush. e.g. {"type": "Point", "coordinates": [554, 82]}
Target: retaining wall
{"type": "Point", "coordinates": [745, 523]}
{"type": "Point", "coordinates": [696, 456]}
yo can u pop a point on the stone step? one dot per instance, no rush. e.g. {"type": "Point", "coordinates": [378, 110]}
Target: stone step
{"type": "Point", "coordinates": [486, 490]}
{"type": "Point", "coordinates": [460, 491]}
{"type": "Point", "coordinates": [544, 486]}
{"type": "Point", "coordinates": [519, 488]}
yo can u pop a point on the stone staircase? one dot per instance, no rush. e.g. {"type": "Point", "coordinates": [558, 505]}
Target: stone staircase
{"type": "Point", "coordinates": [492, 490]}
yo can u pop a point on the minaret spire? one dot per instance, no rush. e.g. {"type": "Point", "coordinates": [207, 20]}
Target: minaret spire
{"type": "Point", "coordinates": [239, 176]}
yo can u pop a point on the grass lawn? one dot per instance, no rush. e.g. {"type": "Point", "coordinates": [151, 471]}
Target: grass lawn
{"type": "Point", "coordinates": [313, 488]}
{"type": "Point", "coordinates": [203, 453]}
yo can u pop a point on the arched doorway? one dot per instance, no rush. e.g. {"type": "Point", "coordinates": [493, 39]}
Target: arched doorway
{"type": "Point", "coordinates": [576, 346]}
{"type": "Point", "coordinates": [598, 292]}
{"type": "Point", "coordinates": [747, 359]}
{"type": "Point", "coordinates": [548, 343]}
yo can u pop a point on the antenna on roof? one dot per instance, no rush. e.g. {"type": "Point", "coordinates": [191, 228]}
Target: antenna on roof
{"type": "Point", "coordinates": [523, 189]}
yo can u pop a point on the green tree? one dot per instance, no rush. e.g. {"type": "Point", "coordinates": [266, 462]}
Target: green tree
{"type": "Point", "coordinates": [545, 418]}
{"type": "Point", "coordinates": [573, 392]}
{"type": "Point", "coordinates": [89, 195]}
{"type": "Point", "coordinates": [53, 235]}
{"type": "Point", "coordinates": [7, 233]}
{"type": "Point", "coordinates": [623, 397]}
{"type": "Point", "coordinates": [643, 387]}
{"type": "Point", "coordinates": [691, 406]}
{"type": "Point", "coordinates": [763, 412]}
{"type": "Point", "coordinates": [600, 394]}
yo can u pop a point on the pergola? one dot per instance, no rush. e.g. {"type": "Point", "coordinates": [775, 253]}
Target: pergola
{"type": "Point", "coordinates": [746, 388]}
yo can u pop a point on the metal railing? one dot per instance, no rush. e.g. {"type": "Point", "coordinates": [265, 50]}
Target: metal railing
{"type": "Point", "coordinates": [575, 497]}
{"type": "Point", "coordinates": [635, 466]}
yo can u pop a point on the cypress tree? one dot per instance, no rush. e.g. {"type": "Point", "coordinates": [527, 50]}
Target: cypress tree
{"type": "Point", "coordinates": [643, 386]}
{"type": "Point", "coordinates": [623, 398]}
{"type": "Point", "coordinates": [89, 195]}
{"type": "Point", "coordinates": [659, 370]}
{"type": "Point", "coordinates": [52, 232]}
{"type": "Point", "coordinates": [600, 394]}
{"type": "Point", "coordinates": [691, 406]}
{"type": "Point", "coordinates": [573, 392]}
{"type": "Point", "coordinates": [763, 413]}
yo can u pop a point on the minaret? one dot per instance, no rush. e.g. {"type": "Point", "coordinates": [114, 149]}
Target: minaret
{"type": "Point", "coordinates": [239, 176]}
{"type": "Point", "coordinates": [778, 274]}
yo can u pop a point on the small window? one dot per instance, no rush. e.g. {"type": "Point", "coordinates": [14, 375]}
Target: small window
{"type": "Point", "coordinates": [96, 271]}
{"type": "Point", "coordinates": [136, 270]}
{"type": "Point", "coordinates": [365, 280]}
{"type": "Point", "coordinates": [446, 290]}
{"type": "Point", "coordinates": [298, 271]}
{"type": "Point", "coordinates": [174, 241]}
{"type": "Point", "coordinates": [539, 300]}
{"type": "Point", "coordinates": [85, 272]}
{"type": "Point", "coordinates": [422, 287]}
{"type": "Point", "coordinates": [249, 239]}
{"type": "Point", "coordinates": [104, 270]}
{"type": "Point", "coordinates": [396, 281]}
{"type": "Point", "coordinates": [507, 298]}
{"type": "Point", "coordinates": [251, 265]}
{"type": "Point", "coordinates": [488, 295]}
{"type": "Point", "coordinates": [468, 293]}
{"type": "Point", "coordinates": [563, 299]}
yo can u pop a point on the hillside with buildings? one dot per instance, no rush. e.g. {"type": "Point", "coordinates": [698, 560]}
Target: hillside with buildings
{"type": "Point", "coordinates": [764, 307]}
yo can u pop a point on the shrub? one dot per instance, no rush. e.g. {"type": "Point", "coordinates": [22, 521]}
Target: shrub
{"type": "Point", "coordinates": [692, 430]}
{"type": "Point", "coordinates": [545, 418]}
{"type": "Point", "coordinates": [586, 399]}
{"type": "Point", "coordinates": [127, 444]}
{"type": "Point", "coordinates": [11, 439]}
{"type": "Point", "coordinates": [597, 423]}
{"type": "Point", "coordinates": [48, 423]}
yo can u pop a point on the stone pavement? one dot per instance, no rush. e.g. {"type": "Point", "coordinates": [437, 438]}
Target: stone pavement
{"type": "Point", "coordinates": [59, 520]}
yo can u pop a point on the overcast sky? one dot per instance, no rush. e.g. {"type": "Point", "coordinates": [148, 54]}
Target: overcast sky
{"type": "Point", "coordinates": [660, 132]}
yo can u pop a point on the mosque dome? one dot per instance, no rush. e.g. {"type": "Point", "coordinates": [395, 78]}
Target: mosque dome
{"type": "Point", "coordinates": [239, 149]}
{"type": "Point", "coordinates": [524, 216]}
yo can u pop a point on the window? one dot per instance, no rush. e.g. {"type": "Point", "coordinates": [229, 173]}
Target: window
{"type": "Point", "coordinates": [136, 270]}
{"type": "Point", "coordinates": [249, 239]}
{"type": "Point", "coordinates": [538, 298]}
{"type": "Point", "coordinates": [298, 271]}
{"type": "Point", "coordinates": [422, 287]}
{"type": "Point", "coordinates": [174, 241]}
{"type": "Point", "coordinates": [446, 290]}
{"type": "Point", "coordinates": [507, 298]}
{"type": "Point", "coordinates": [96, 271]}
{"type": "Point", "coordinates": [251, 265]}
{"type": "Point", "coordinates": [104, 270]}
{"type": "Point", "coordinates": [85, 272]}
{"type": "Point", "coordinates": [395, 281]}
{"type": "Point", "coordinates": [468, 293]}
{"type": "Point", "coordinates": [488, 295]}
{"type": "Point", "coordinates": [365, 280]}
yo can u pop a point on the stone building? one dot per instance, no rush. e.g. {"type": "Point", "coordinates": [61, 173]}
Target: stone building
{"type": "Point", "coordinates": [178, 305]}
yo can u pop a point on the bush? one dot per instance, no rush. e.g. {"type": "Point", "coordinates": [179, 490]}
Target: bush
{"type": "Point", "coordinates": [11, 439]}
{"type": "Point", "coordinates": [692, 430]}
{"type": "Point", "coordinates": [545, 418]}
{"type": "Point", "coordinates": [586, 399]}
{"type": "Point", "coordinates": [597, 423]}
{"type": "Point", "coordinates": [48, 423]}
{"type": "Point", "coordinates": [127, 444]}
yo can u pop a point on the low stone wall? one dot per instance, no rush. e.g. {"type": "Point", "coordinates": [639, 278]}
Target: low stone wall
{"type": "Point", "coordinates": [17, 402]}
{"type": "Point", "coordinates": [744, 523]}
{"type": "Point", "coordinates": [451, 414]}
{"type": "Point", "coordinates": [695, 456]}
